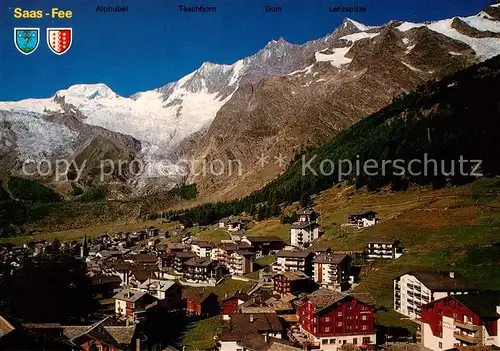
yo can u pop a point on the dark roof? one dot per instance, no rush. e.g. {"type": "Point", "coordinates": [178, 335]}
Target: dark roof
{"type": "Point", "coordinates": [203, 244]}
{"type": "Point", "coordinates": [302, 225]}
{"type": "Point", "coordinates": [244, 252]}
{"type": "Point", "coordinates": [234, 247]}
{"type": "Point", "coordinates": [5, 327]}
{"type": "Point", "coordinates": [441, 281]}
{"type": "Point", "coordinates": [142, 274]}
{"type": "Point", "coordinates": [200, 298]}
{"type": "Point", "coordinates": [324, 298]}
{"type": "Point", "coordinates": [330, 258]}
{"type": "Point", "coordinates": [236, 295]}
{"type": "Point", "coordinates": [105, 279]}
{"type": "Point", "coordinates": [294, 254]}
{"type": "Point", "coordinates": [122, 266]}
{"type": "Point", "coordinates": [144, 258]}
{"type": "Point", "coordinates": [264, 239]}
{"type": "Point", "coordinates": [106, 330]}
{"type": "Point", "coordinates": [484, 304]}
{"type": "Point", "coordinates": [130, 295]}
{"type": "Point", "coordinates": [198, 262]}
{"type": "Point", "coordinates": [262, 322]}
{"type": "Point", "coordinates": [42, 325]}
{"type": "Point", "coordinates": [183, 254]}
{"type": "Point", "coordinates": [293, 276]}
{"type": "Point", "coordinates": [361, 213]}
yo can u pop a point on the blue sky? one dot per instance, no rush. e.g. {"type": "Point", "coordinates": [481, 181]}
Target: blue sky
{"type": "Point", "coordinates": [153, 43]}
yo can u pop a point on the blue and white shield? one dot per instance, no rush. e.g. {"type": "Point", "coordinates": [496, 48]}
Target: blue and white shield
{"type": "Point", "coordinates": [26, 39]}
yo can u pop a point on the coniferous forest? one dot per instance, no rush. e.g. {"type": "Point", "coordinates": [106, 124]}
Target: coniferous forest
{"type": "Point", "coordinates": [453, 119]}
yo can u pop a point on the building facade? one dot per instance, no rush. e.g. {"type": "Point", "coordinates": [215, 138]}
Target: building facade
{"type": "Point", "coordinates": [383, 249]}
{"type": "Point", "coordinates": [332, 271]}
{"type": "Point", "coordinates": [293, 261]}
{"type": "Point", "coordinates": [240, 262]}
{"type": "Point", "coordinates": [362, 219]}
{"type": "Point", "coordinates": [201, 248]}
{"type": "Point", "coordinates": [461, 320]}
{"type": "Point", "coordinates": [414, 289]}
{"type": "Point", "coordinates": [285, 283]}
{"type": "Point", "coordinates": [303, 233]}
{"type": "Point", "coordinates": [201, 270]}
{"type": "Point", "coordinates": [331, 319]}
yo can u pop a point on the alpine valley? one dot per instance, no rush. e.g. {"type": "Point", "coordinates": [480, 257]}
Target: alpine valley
{"type": "Point", "coordinates": [283, 99]}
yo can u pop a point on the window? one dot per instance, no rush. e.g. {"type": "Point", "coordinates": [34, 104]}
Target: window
{"type": "Point", "coordinates": [327, 319]}
{"type": "Point", "coordinates": [355, 341]}
{"type": "Point", "coordinates": [365, 327]}
{"type": "Point", "coordinates": [366, 340]}
{"type": "Point", "coordinates": [339, 313]}
{"type": "Point", "coordinates": [332, 341]}
{"type": "Point", "coordinates": [339, 324]}
{"type": "Point", "coordinates": [440, 345]}
{"type": "Point", "coordinates": [327, 329]}
{"type": "Point", "coordinates": [363, 317]}
{"type": "Point", "coordinates": [324, 342]}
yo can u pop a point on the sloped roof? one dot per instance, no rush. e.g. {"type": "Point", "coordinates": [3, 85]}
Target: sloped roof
{"type": "Point", "coordinates": [302, 225]}
{"type": "Point", "coordinates": [292, 276]}
{"type": "Point", "coordinates": [324, 298]}
{"type": "Point", "coordinates": [200, 298]}
{"type": "Point", "coordinates": [202, 243]}
{"type": "Point", "coordinates": [145, 258]}
{"type": "Point", "coordinates": [262, 322]}
{"type": "Point", "coordinates": [107, 330]}
{"type": "Point", "coordinates": [198, 262]}
{"type": "Point", "coordinates": [484, 303]}
{"type": "Point", "coordinates": [142, 274]}
{"type": "Point", "coordinates": [329, 258]}
{"type": "Point", "coordinates": [440, 281]}
{"type": "Point", "coordinates": [123, 335]}
{"type": "Point", "coordinates": [130, 295]}
{"type": "Point", "coordinates": [293, 254]}
{"type": "Point", "coordinates": [265, 239]}
{"type": "Point", "coordinates": [162, 284]}
{"type": "Point", "coordinates": [5, 327]}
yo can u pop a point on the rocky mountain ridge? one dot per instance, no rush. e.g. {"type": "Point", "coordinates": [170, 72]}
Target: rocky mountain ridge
{"type": "Point", "coordinates": [278, 101]}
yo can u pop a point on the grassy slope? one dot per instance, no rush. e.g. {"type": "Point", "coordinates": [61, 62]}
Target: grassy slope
{"type": "Point", "coordinates": [200, 335]}
{"type": "Point", "coordinates": [449, 229]}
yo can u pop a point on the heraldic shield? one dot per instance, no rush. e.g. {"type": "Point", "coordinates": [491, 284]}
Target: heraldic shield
{"type": "Point", "coordinates": [59, 39]}
{"type": "Point", "coordinates": [26, 39]}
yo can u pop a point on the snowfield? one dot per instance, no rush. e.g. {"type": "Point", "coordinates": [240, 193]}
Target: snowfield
{"type": "Point", "coordinates": [38, 139]}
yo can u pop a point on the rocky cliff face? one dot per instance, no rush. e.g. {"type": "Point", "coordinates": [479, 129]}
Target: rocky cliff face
{"type": "Point", "coordinates": [347, 75]}
{"type": "Point", "coordinates": [239, 125]}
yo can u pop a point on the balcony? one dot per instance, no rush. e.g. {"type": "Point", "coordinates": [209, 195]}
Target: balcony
{"type": "Point", "coordinates": [467, 338]}
{"type": "Point", "coordinates": [468, 326]}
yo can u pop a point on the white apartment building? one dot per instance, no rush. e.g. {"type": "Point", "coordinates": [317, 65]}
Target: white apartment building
{"type": "Point", "coordinates": [293, 261]}
{"type": "Point", "coordinates": [387, 249]}
{"type": "Point", "coordinates": [417, 288]}
{"type": "Point", "coordinates": [202, 248]}
{"type": "Point", "coordinates": [303, 233]}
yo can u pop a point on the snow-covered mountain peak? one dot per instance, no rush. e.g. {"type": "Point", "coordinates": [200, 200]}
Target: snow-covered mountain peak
{"type": "Point", "coordinates": [350, 22]}
{"type": "Point", "coordinates": [87, 92]}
